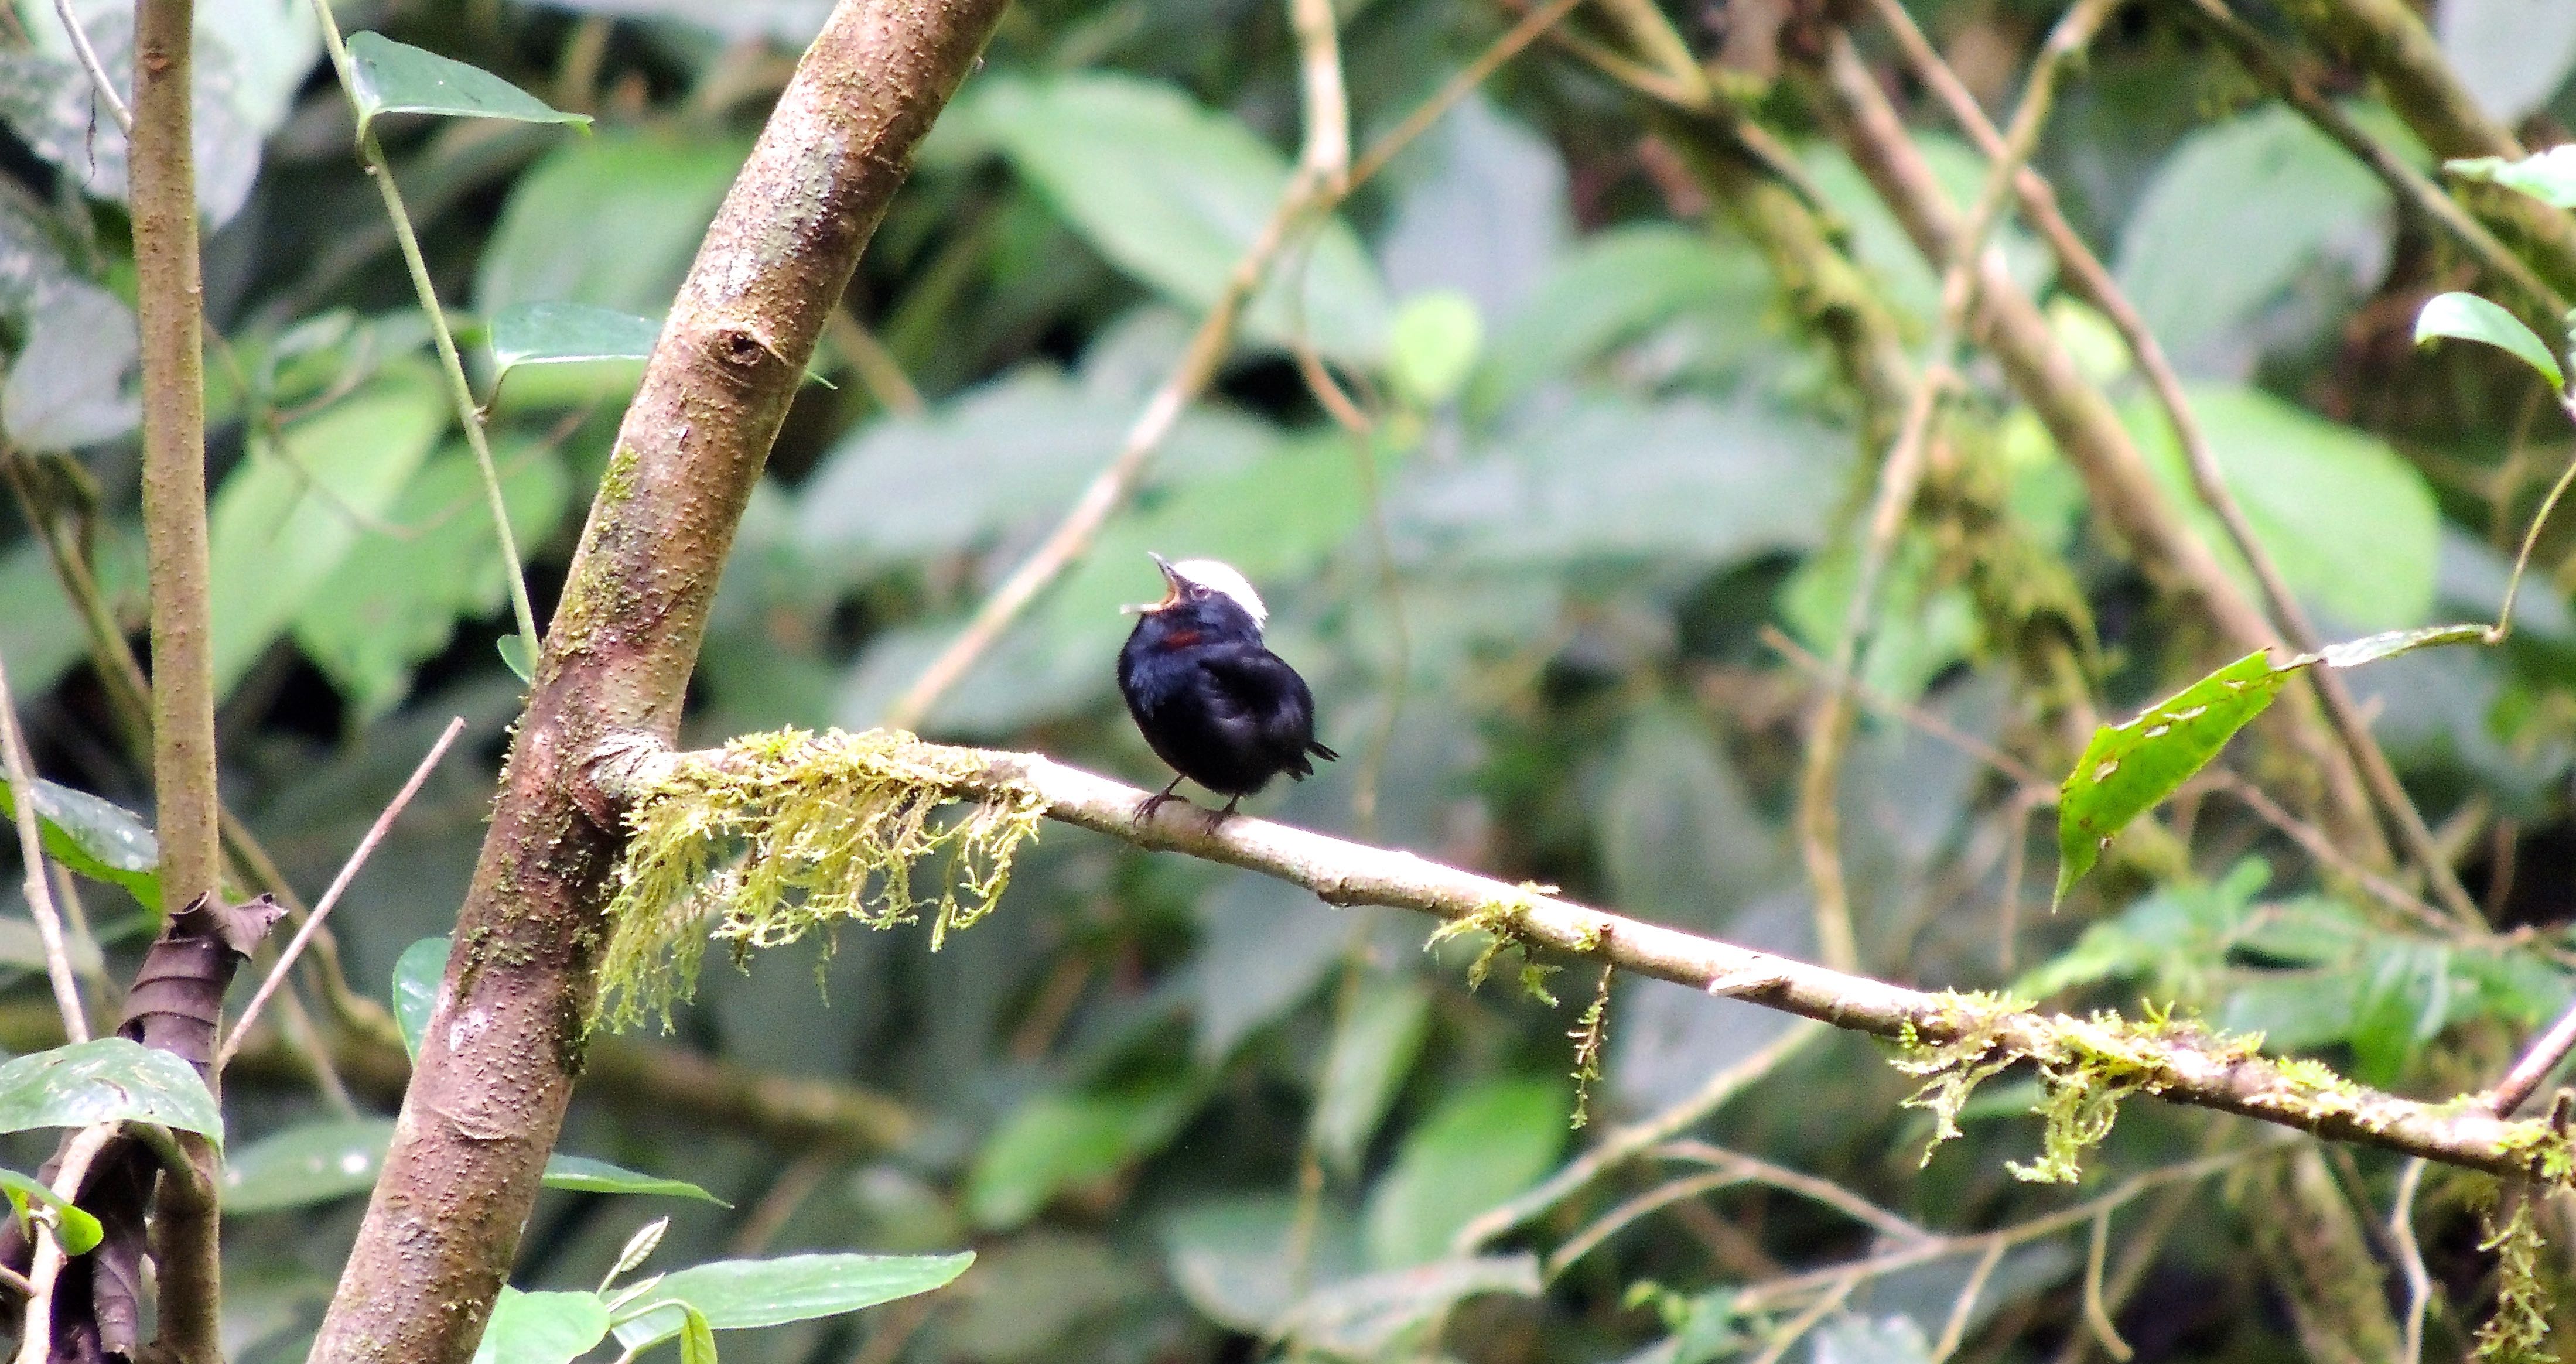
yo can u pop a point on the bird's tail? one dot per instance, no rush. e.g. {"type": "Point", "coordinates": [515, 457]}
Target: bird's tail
{"type": "Point", "coordinates": [1322, 752]}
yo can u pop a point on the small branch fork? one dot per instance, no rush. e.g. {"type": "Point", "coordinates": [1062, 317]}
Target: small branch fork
{"type": "Point", "coordinates": [2174, 1066]}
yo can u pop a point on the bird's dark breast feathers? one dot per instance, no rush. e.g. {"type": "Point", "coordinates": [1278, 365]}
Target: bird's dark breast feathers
{"type": "Point", "coordinates": [1228, 716]}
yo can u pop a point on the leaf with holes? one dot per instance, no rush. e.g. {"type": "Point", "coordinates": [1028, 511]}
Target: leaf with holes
{"type": "Point", "coordinates": [2129, 768]}
{"type": "Point", "coordinates": [397, 78]}
{"type": "Point", "coordinates": [99, 840]}
{"type": "Point", "coordinates": [2471, 318]}
{"type": "Point", "coordinates": [109, 1080]}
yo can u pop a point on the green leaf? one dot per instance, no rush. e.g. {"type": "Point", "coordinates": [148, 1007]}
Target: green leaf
{"type": "Point", "coordinates": [1482, 1146]}
{"type": "Point", "coordinates": [1365, 1318]}
{"type": "Point", "coordinates": [307, 1164]}
{"type": "Point", "coordinates": [697, 1338]}
{"type": "Point", "coordinates": [1056, 1141]}
{"type": "Point", "coordinates": [514, 656]}
{"type": "Point", "coordinates": [566, 333]}
{"type": "Point", "coordinates": [2235, 214]}
{"type": "Point", "coordinates": [290, 513]}
{"type": "Point", "coordinates": [2510, 55]}
{"type": "Point", "coordinates": [111, 1079]}
{"type": "Point", "coordinates": [2127, 769]}
{"type": "Point", "coordinates": [1173, 193]}
{"type": "Point", "coordinates": [98, 839]}
{"type": "Point", "coordinates": [397, 598]}
{"type": "Point", "coordinates": [417, 975]}
{"type": "Point", "coordinates": [2549, 176]}
{"type": "Point", "coordinates": [582, 1174]}
{"type": "Point", "coordinates": [1432, 346]}
{"type": "Point", "coordinates": [2471, 318]}
{"type": "Point", "coordinates": [738, 1294]}
{"type": "Point", "coordinates": [655, 193]}
{"type": "Point", "coordinates": [1614, 288]}
{"type": "Point", "coordinates": [1241, 1260]}
{"type": "Point", "coordinates": [80, 1232]}
{"type": "Point", "coordinates": [2352, 526]}
{"type": "Point", "coordinates": [1372, 1051]}
{"type": "Point", "coordinates": [542, 1328]}
{"type": "Point", "coordinates": [396, 78]}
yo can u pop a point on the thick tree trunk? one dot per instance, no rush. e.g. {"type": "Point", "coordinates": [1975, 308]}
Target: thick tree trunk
{"type": "Point", "coordinates": [502, 1050]}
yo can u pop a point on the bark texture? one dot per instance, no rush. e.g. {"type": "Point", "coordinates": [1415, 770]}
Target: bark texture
{"type": "Point", "coordinates": [503, 1047]}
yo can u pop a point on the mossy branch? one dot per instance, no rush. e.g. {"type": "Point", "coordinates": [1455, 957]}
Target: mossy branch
{"type": "Point", "coordinates": [1950, 1039]}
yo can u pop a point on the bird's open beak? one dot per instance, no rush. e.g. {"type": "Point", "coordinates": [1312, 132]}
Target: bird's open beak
{"type": "Point", "coordinates": [1171, 589]}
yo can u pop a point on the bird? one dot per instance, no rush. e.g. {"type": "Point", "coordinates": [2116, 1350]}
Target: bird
{"type": "Point", "coordinates": [1208, 695]}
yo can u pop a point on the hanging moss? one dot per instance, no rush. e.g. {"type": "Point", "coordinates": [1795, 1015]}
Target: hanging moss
{"type": "Point", "coordinates": [2518, 1330]}
{"type": "Point", "coordinates": [790, 832]}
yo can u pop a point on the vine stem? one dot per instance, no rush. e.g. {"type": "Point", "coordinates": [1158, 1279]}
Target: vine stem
{"type": "Point", "coordinates": [469, 414]}
{"type": "Point", "coordinates": [31, 850]}
{"type": "Point", "coordinates": [35, 1344]}
{"type": "Point", "coordinates": [89, 62]}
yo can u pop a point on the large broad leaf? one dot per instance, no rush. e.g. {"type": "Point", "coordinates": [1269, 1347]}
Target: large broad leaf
{"type": "Point", "coordinates": [397, 78]}
{"type": "Point", "coordinates": [417, 975]}
{"type": "Point", "coordinates": [2352, 527]}
{"type": "Point", "coordinates": [2234, 215]}
{"type": "Point", "coordinates": [1057, 1141]}
{"type": "Point", "coordinates": [312, 1163]}
{"type": "Point", "coordinates": [1373, 1049]}
{"type": "Point", "coordinates": [2549, 176]}
{"type": "Point", "coordinates": [1613, 480]}
{"type": "Point", "coordinates": [1614, 288]}
{"type": "Point", "coordinates": [1174, 193]}
{"type": "Point", "coordinates": [2510, 55]}
{"type": "Point", "coordinates": [655, 195]}
{"type": "Point", "coordinates": [111, 1079]}
{"type": "Point", "coordinates": [396, 599]}
{"type": "Point", "coordinates": [542, 1328]}
{"type": "Point", "coordinates": [734, 1295]}
{"type": "Point", "coordinates": [1365, 1317]}
{"type": "Point", "coordinates": [1482, 1146]}
{"type": "Point", "coordinates": [99, 840]}
{"type": "Point", "coordinates": [1240, 1260]}
{"type": "Point", "coordinates": [2127, 769]}
{"type": "Point", "coordinates": [566, 334]}
{"type": "Point", "coordinates": [292, 510]}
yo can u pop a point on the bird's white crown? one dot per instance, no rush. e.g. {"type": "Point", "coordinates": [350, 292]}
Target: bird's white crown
{"type": "Point", "coordinates": [1222, 577]}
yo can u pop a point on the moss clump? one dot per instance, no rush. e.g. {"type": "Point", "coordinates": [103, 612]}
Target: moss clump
{"type": "Point", "coordinates": [1502, 924]}
{"type": "Point", "coordinates": [790, 832]}
{"type": "Point", "coordinates": [1591, 1034]}
{"type": "Point", "coordinates": [2517, 1331]}
{"type": "Point", "coordinates": [1952, 1070]}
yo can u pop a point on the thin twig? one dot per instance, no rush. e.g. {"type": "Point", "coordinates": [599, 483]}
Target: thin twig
{"type": "Point", "coordinates": [331, 896]}
{"type": "Point", "coordinates": [1824, 1191]}
{"type": "Point", "coordinates": [2314, 842]}
{"type": "Point", "coordinates": [89, 62]}
{"type": "Point", "coordinates": [35, 1345]}
{"type": "Point", "coordinates": [1622, 1144]}
{"type": "Point", "coordinates": [1327, 153]}
{"type": "Point", "coordinates": [2096, 1317]}
{"type": "Point", "coordinates": [1611, 1223]}
{"type": "Point", "coordinates": [2541, 1058]}
{"type": "Point", "coordinates": [2419, 1281]}
{"type": "Point", "coordinates": [1306, 198]}
{"type": "Point", "coordinates": [1962, 1310]}
{"type": "Point", "coordinates": [31, 847]}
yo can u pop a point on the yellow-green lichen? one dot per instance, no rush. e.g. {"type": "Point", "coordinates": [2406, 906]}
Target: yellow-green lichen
{"type": "Point", "coordinates": [1952, 1070]}
{"type": "Point", "coordinates": [1591, 1034]}
{"type": "Point", "coordinates": [789, 832]}
{"type": "Point", "coordinates": [1503, 924]}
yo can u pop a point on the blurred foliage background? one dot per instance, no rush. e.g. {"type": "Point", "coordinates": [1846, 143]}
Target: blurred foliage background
{"type": "Point", "coordinates": [1559, 603]}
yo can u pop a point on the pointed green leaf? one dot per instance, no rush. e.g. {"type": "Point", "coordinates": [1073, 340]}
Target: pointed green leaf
{"type": "Point", "coordinates": [307, 1164]}
{"type": "Point", "coordinates": [514, 653]}
{"type": "Point", "coordinates": [565, 334]}
{"type": "Point", "coordinates": [417, 973]}
{"type": "Point", "coordinates": [582, 1174]}
{"type": "Point", "coordinates": [93, 837]}
{"type": "Point", "coordinates": [2548, 176]}
{"type": "Point", "coordinates": [542, 1328]}
{"type": "Point", "coordinates": [2471, 318]}
{"type": "Point", "coordinates": [80, 1233]}
{"type": "Point", "coordinates": [697, 1338]}
{"type": "Point", "coordinates": [1373, 1049]}
{"type": "Point", "coordinates": [736, 1294]}
{"type": "Point", "coordinates": [397, 78]}
{"type": "Point", "coordinates": [2128, 768]}
{"type": "Point", "coordinates": [111, 1079]}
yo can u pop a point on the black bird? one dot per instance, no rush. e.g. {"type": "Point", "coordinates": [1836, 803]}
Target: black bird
{"type": "Point", "coordinates": [1222, 709]}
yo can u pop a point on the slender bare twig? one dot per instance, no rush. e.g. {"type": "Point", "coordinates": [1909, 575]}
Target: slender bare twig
{"type": "Point", "coordinates": [2535, 1065]}
{"type": "Point", "coordinates": [2177, 1063]}
{"type": "Point", "coordinates": [89, 62]}
{"type": "Point", "coordinates": [1611, 1223]}
{"type": "Point", "coordinates": [1622, 1144]}
{"type": "Point", "coordinates": [331, 896]}
{"type": "Point", "coordinates": [2419, 1281]}
{"type": "Point", "coordinates": [2097, 1318]}
{"type": "Point", "coordinates": [1307, 197]}
{"type": "Point", "coordinates": [2314, 842]}
{"type": "Point", "coordinates": [1824, 1191]}
{"type": "Point", "coordinates": [1327, 152]}
{"type": "Point", "coordinates": [35, 1346]}
{"type": "Point", "coordinates": [1964, 1307]}
{"type": "Point", "coordinates": [31, 847]}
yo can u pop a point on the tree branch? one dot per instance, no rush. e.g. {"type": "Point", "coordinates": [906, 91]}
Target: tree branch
{"type": "Point", "coordinates": [507, 1036]}
{"type": "Point", "coordinates": [2177, 1062]}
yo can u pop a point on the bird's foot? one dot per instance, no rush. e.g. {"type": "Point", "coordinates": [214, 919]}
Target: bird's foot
{"type": "Point", "coordinates": [1217, 817]}
{"type": "Point", "coordinates": [1145, 809]}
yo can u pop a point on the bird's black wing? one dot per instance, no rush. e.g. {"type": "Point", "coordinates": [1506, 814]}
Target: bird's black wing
{"type": "Point", "coordinates": [1258, 691]}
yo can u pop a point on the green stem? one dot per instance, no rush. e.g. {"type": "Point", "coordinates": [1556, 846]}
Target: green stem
{"type": "Point", "coordinates": [468, 413]}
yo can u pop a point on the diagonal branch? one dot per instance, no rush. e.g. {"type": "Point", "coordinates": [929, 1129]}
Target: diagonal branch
{"type": "Point", "coordinates": [2174, 1061]}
